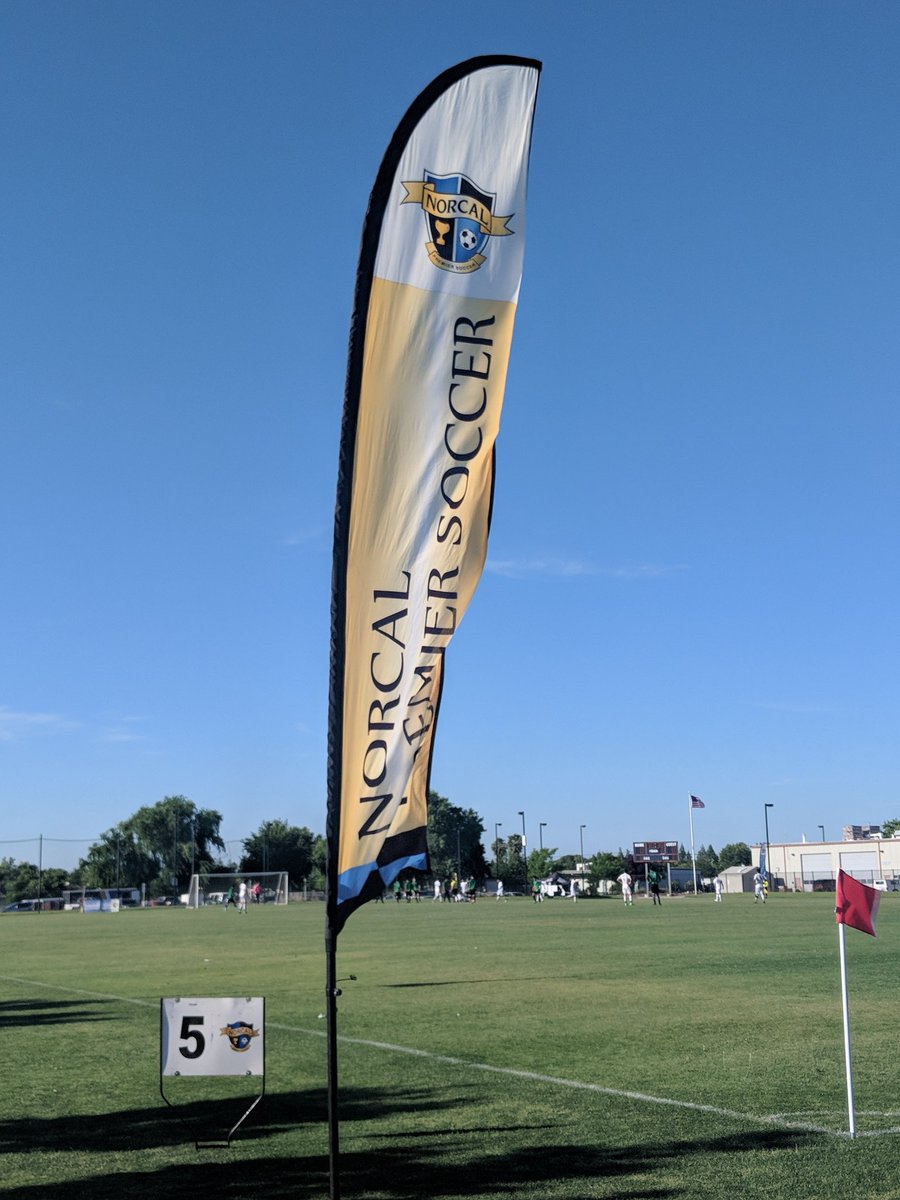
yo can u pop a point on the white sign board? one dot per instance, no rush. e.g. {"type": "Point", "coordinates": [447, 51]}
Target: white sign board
{"type": "Point", "coordinates": [212, 1035]}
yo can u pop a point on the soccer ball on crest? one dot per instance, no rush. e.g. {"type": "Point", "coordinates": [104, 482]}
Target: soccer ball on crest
{"type": "Point", "coordinates": [467, 239]}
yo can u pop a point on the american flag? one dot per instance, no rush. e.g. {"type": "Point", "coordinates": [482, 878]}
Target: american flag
{"type": "Point", "coordinates": [696, 802]}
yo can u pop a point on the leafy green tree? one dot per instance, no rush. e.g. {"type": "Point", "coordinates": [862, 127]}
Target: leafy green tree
{"type": "Point", "coordinates": [707, 861]}
{"type": "Point", "coordinates": [319, 863]}
{"type": "Point", "coordinates": [512, 872]}
{"type": "Point", "coordinates": [889, 828]}
{"type": "Point", "coordinates": [506, 860]}
{"type": "Point", "coordinates": [54, 880]}
{"type": "Point", "coordinates": [735, 854]}
{"type": "Point", "coordinates": [7, 867]}
{"type": "Point", "coordinates": [278, 846]}
{"type": "Point", "coordinates": [158, 842]}
{"type": "Point", "coordinates": [454, 837]}
{"type": "Point", "coordinates": [540, 863]}
{"type": "Point", "coordinates": [604, 866]}
{"type": "Point", "coordinates": [514, 847]}
{"type": "Point", "coordinates": [23, 881]}
{"type": "Point", "coordinates": [24, 884]}
{"type": "Point", "coordinates": [117, 859]}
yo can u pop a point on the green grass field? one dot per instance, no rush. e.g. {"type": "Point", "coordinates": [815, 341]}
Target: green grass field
{"type": "Point", "coordinates": [499, 1049]}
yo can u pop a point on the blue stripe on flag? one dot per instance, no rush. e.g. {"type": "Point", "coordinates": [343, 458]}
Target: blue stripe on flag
{"type": "Point", "coordinates": [352, 882]}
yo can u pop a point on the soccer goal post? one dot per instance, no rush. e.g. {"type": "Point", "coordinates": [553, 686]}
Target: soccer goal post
{"type": "Point", "coordinates": [263, 887]}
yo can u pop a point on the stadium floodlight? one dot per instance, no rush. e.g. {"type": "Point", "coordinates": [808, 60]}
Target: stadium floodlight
{"type": "Point", "coordinates": [766, 808]}
{"type": "Point", "coordinates": [524, 853]}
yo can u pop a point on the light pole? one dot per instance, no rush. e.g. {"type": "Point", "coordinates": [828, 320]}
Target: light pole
{"type": "Point", "coordinates": [524, 854]}
{"type": "Point", "coordinates": [541, 828]}
{"type": "Point", "coordinates": [174, 848]}
{"type": "Point", "coordinates": [497, 825]}
{"type": "Point", "coordinates": [766, 808]}
{"type": "Point", "coordinates": [822, 827]}
{"type": "Point", "coordinates": [581, 829]}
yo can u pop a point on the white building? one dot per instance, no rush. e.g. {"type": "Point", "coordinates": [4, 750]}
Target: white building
{"type": "Point", "coordinates": [813, 866]}
{"type": "Point", "coordinates": [737, 879]}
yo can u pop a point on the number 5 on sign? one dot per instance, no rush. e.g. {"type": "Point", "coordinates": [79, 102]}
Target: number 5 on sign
{"type": "Point", "coordinates": [212, 1035]}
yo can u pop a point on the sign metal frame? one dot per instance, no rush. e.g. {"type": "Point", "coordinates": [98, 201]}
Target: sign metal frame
{"type": "Point", "coordinates": [207, 1037]}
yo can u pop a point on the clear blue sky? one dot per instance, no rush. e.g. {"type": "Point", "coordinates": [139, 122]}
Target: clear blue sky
{"type": "Point", "coordinates": [693, 575]}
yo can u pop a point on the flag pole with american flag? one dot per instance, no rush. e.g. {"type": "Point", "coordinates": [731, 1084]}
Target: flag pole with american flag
{"type": "Point", "coordinates": [694, 802]}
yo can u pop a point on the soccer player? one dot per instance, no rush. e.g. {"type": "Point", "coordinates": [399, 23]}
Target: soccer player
{"type": "Point", "coordinates": [625, 880]}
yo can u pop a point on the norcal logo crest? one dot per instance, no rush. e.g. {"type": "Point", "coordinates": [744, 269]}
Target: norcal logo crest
{"type": "Point", "coordinates": [460, 220]}
{"type": "Point", "coordinates": [240, 1034]}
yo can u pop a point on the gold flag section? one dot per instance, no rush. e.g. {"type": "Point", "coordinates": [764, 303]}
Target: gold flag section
{"type": "Point", "coordinates": [434, 372]}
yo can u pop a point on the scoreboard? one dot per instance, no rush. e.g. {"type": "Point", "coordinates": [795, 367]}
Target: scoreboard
{"type": "Point", "coordinates": [655, 852]}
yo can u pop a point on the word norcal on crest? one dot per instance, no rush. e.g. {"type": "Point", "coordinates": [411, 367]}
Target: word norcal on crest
{"type": "Point", "coordinates": [239, 1033]}
{"type": "Point", "coordinates": [460, 220]}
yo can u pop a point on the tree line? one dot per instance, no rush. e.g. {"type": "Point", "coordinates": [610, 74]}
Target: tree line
{"type": "Point", "coordinates": [160, 846]}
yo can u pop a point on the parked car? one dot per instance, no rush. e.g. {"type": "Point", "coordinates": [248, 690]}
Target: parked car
{"type": "Point", "coordinates": [46, 905]}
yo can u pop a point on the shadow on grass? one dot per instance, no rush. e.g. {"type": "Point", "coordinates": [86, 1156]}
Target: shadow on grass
{"type": "Point", "coordinates": [433, 983]}
{"type": "Point", "coordinates": [441, 1164]}
{"type": "Point", "coordinates": [158, 1125]}
{"type": "Point", "coordinates": [31, 1013]}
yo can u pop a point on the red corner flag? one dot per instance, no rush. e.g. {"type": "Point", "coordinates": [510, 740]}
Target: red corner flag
{"type": "Point", "coordinates": [857, 904]}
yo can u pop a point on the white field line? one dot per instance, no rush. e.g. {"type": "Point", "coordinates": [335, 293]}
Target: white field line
{"type": "Point", "coordinates": [781, 1120]}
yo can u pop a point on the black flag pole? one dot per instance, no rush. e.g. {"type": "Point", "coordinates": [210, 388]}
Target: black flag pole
{"type": "Point", "coordinates": [331, 989]}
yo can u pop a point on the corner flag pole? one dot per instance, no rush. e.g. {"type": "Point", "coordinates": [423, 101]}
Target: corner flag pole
{"type": "Point", "coordinates": [846, 1011]}
{"type": "Point", "coordinates": [856, 904]}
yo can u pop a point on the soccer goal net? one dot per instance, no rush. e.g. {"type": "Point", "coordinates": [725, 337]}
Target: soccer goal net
{"type": "Point", "coordinates": [263, 887]}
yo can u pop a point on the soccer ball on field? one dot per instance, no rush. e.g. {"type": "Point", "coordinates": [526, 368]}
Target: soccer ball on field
{"type": "Point", "coordinates": [467, 239]}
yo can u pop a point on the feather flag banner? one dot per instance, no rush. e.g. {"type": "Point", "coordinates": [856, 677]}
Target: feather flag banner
{"type": "Point", "coordinates": [436, 295]}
